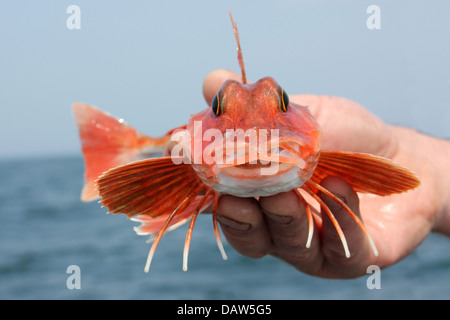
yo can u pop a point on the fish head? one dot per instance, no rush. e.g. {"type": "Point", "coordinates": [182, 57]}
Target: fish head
{"type": "Point", "coordinates": [252, 141]}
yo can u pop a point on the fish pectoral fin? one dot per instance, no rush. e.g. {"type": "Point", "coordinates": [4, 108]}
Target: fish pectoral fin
{"type": "Point", "coordinates": [158, 193]}
{"type": "Point", "coordinates": [365, 172]}
{"type": "Point", "coordinates": [151, 187]}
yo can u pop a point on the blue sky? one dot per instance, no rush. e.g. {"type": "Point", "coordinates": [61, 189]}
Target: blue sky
{"type": "Point", "coordinates": [145, 61]}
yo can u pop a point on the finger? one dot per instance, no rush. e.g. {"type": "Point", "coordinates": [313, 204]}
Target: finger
{"type": "Point", "coordinates": [289, 227]}
{"type": "Point", "coordinates": [214, 80]}
{"type": "Point", "coordinates": [357, 242]}
{"type": "Point", "coordinates": [313, 102]}
{"type": "Point", "coordinates": [342, 119]}
{"type": "Point", "coordinates": [243, 225]}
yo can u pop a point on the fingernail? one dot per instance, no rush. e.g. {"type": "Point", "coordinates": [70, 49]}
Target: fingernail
{"type": "Point", "coordinates": [278, 218]}
{"type": "Point", "coordinates": [233, 224]}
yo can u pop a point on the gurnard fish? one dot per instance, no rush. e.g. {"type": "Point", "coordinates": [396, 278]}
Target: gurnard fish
{"type": "Point", "coordinates": [280, 151]}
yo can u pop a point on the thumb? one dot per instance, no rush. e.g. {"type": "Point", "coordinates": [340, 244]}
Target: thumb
{"type": "Point", "coordinates": [214, 80]}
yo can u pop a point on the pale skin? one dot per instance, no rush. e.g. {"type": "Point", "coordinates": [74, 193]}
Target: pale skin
{"type": "Point", "coordinates": [278, 225]}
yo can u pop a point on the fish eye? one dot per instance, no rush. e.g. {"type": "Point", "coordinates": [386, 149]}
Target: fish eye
{"type": "Point", "coordinates": [284, 101]}
{"type": "Point", "coordinates": [216, 106]}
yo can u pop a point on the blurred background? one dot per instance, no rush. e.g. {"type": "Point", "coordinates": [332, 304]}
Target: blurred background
{"type": "Point", "coordinates": [145, 62]}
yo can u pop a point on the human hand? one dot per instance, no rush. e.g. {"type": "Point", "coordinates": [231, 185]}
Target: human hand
{"type": "Point", "coordinates": [278, 224]}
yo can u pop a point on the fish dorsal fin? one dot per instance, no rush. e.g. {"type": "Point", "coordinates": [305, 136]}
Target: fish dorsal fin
{"type": "Point", "coordinates": [239, 50]}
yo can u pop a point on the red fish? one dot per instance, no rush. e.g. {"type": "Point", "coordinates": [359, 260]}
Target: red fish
{"type": "Point", "coordinates": [251, 142]}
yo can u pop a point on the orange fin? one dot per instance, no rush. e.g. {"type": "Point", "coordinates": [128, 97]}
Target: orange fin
{"type": "Point", "coordinates": [108, 142]}
{"type": "Point", "coordinates": [156, 192]}
{"type": "Point", "coordinates": [366, 173]}
{"type": "Point", "coordinates": [151, 187]}
{"type": "Point", "coordinates": [151, 225]}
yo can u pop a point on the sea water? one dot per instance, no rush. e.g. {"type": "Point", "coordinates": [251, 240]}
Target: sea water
{"type": "Point", "coordinates": [45, 230]}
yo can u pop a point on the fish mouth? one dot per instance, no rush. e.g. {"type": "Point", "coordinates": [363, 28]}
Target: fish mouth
{"type": "Point", "coordinates": [255, 180]}
{"type": "Point", "coordinates": [263, 173]}
{"type": "Point", "coordinates": [254, 170]}
{"type": "Point", "coordinates": [262, 162]}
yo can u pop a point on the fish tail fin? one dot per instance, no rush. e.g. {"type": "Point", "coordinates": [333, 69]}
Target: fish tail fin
{"type": "Point", "coordinates": [108, 142]}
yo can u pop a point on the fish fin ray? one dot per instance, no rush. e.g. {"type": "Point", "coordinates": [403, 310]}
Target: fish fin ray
{"type": "Point", "coordinates": [151, 225]}
{"type": "Point", "coordinates": [146, 187]}
{"type": "Point", "coordinates": [156, 192]}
